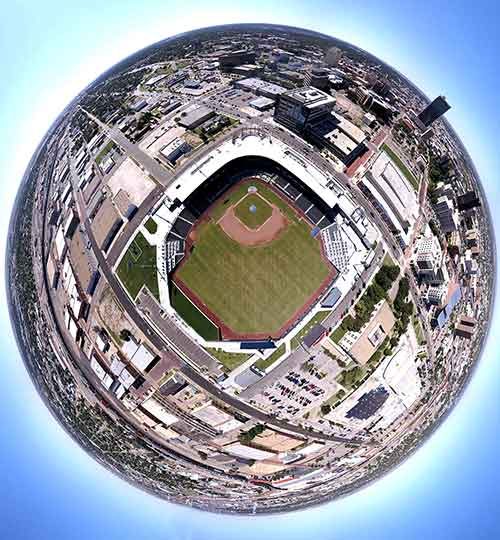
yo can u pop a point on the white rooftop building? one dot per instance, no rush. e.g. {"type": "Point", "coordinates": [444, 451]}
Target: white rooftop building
{"type": "Point", "coordinates": [175, 149]}
{"type": "Point", "coordinates": [436, 294]}
{"type": "Point", "coordinates": [428, 256]}
{"type": "Point", "coordinates": [393, 196]}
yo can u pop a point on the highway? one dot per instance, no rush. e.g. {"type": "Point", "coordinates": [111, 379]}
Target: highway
{"type": "Point", "coordinates": [199, 380]}
{"type": "Point", "coordinates": [107, 400]}
{"type": "Point", "coordinates": [131, 226]}
{"type": "Point", "coordinates": [188, 349]}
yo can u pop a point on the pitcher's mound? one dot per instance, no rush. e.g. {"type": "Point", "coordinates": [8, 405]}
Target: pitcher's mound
{"type": "Point", "coordinates": [246, 236]}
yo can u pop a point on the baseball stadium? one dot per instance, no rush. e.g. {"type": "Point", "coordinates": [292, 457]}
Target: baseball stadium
{"type": "Point", "coordinates": [254, 261]}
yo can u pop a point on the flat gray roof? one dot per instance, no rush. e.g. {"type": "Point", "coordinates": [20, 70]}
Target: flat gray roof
{"type": "Point", "coordinates": [246, 378]}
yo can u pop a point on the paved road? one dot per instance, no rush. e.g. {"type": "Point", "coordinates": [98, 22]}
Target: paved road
{"type": "Point", "coordinates": [199, 380]}
{"type": "Point", "coordinates": [108, 401]}
{"type": "Point", "coordinates": [195, 357]}
{"type": "Point", "coordinates": [394, 249]}
{"type": "Point", "coordinates": [131, 226]}
{"type": "Point", "coordinates": [160, 174]}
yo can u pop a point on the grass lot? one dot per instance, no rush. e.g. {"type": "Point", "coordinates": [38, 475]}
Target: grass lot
{"type": "Point", "coordinates": [349, 377]}
{"type": "Point", "coordinates": [253, 219]}
{"type": "Point", "coordinates": [353, 376]}
{"type": "Point", "coordinates": [263, 364]}
{"type": "Point", "coordinates": [402, 167]}
{"type": "Point", "coordinates": [229, 360]}
{"type": "Point", "coordinates": [418, 330]}
{"type": "Point", "coordinates": [338, 334]}
{"type": "Point", "coordinates": [106, 150]}
{"type": "Point", "coordinates": [138, 267]}
{"type": "Point", "coordinates": [336, 398]}
{"type": "Point", "coordinates": [254, 289]}
{"type": "Point", "coordinates": [388, 260]}
{"type": "Point", "coordinates": [151, 226]}
{"type": "Point", "coordinates": [192, 315]}
{"type": "Point", "coordinates": [318, 318]}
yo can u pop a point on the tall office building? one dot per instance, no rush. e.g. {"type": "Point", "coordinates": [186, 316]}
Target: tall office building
{"type": "Point", "coordinates": [433, 111]}
{"type": "Point", "coordinates": [332, 57]}
{"type": "Point", "coordinates": [309, 111]}
{"type": "Point", "coordinates": [318, 77]}
{"type": "Point", "coordinates": [300, 108]}
{"type": "Point", "coordinates": [446, 214]}
{"type": "Point", "coordinates": [429, 256]}
{"type": "Point", "coordinates": [468, 201]}
{"type": "Point", "coordinates": [232, 59]}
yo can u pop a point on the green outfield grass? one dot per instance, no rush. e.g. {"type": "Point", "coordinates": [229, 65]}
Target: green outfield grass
{"type": "Point", "coordinates": [104, 152]}
{"type": "Point", "coordinates": [138, 267]}
{"type": "Point", "coordinates": [192, 315]}
{"type": "Point", "coordinates": [253, 219]}
{"type": "Point", "coordinates": [254, 289]}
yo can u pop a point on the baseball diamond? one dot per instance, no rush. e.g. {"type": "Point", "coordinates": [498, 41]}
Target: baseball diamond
{"type": "Point", "coordinates": [254, 282]}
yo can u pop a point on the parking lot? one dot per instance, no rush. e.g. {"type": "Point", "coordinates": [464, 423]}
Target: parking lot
{"type": "Point", "coordinates": [235, 102]}
{"type": "Point", "coordinates": [302, 389]}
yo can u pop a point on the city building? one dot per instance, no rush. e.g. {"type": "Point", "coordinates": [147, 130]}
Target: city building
{"type": "Point", "coordinates": [318, 77]}
{"type": "Point", "coordinates": [465, 327]}
{"type": "Point", "coordinates": [262, 103]}
{"type": "Point", "coordinates": [453, 297]}
{"type": "Point", "coordinates": [428, 257]}
{"type": "Point", "coordinates": [436, 294]}
{"type": "Point", "coordinates": [433, 111]}
{"type": "Point", "coordinates": [446, 214]}
{"type": "Point", "coordinates": [361, 345]}
{"type": "Point", "coordinates": [472, 238]}
{"type": "Point", "coordinates": [333, 56]}
{"type": "Point", "coordinates": [232, 59]}
{"type": "Point", "coordinates": [196, 117]}
{"type": "Point", "coordinates": [309, 111]}
{"type": "Point", "coordinates": [260, 87]}
{"type": "Point", "coordinates": [369, 119]}
{"type": "Point", "coordinates": [427, 134]}
{"type": "Point", "coordinates": [469, 263]}
{"type": "Point", "coordinates": [340, 136]}
{"type": "Point", "coordinates": [247, 70]}
{"type": "Point", "coordinates": [301, 108]}
{"type": "Point", "coordinates": [175, 149]}
{"type": "Point", "coordinates": [454, 243]}
{"type": "Point", "coordinates": [139, 104]}
{"type": "Point", "coordinates": [372, 102]}
{"type": "Point", "coordinates": [393, 196]}
{"type": "Point", "coordinates": [468, 201]}
{"type": "Point", "coordinates": [194, 369]}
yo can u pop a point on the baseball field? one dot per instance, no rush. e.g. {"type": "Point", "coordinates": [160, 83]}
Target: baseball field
{"type": "Point", "coordinates": [254, 289]}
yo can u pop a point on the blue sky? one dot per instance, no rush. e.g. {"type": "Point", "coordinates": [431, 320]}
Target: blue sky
{"type": "Point", "coordinates": [49, 488]}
